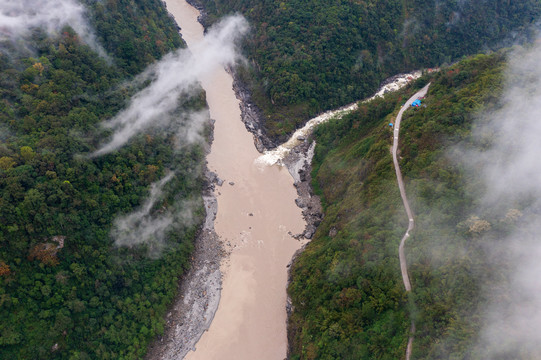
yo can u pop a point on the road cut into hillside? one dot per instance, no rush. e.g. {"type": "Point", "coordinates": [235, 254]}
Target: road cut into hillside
{"type": "Point", "coordinates": [411, 220]}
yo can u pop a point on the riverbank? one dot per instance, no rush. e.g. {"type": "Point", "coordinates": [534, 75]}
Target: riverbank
{"type": "Point", "coordinates": [251, 115]}
{"type": "Point", "coordinates": [200, 287]}
{"type": "Point", "coordinates": [296, 153]}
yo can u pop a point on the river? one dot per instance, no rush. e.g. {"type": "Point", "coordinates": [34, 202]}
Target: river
{"type": "Point", "coordinates": [256, 215]}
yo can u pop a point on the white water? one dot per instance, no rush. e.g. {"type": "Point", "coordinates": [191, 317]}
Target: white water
{"type": "Point", "coordinates": [277, 155]}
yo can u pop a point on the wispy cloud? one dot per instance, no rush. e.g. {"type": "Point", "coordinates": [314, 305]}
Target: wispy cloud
{"type": "Point", "coordinates": [143, 226]}
{"type": "Point", "coordinates": [150, 225]}
{"type": "Point", "coordinates": [19, 17]}
{"type": "Point", "coordinates": [175, 76]}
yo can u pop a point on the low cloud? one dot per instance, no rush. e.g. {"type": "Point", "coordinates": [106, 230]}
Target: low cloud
{"type": "Point", "coordinates": [149, 225]}
{"type": "Point", "coordinates": [19, 17]}
{"type": "Point", "coordinates": [173, 77]}
{"type": "Point", "coordinates": [189, 128]}
{"type": "Point", "coordinates": [510, 169]}
{"type": "Point", "coordinates": [144, 226]}
{"type": "Point", "coordinates": [511, 163]}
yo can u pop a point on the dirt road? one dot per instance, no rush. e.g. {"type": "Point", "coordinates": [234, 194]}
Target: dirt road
{"type": "Point", "coordinates": [411, 223]}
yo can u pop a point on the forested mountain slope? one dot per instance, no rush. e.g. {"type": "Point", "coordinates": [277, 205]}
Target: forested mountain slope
{"type": "Point", "coordinates": [66, 292]}
{"type": "Point", "coordinates": [348, 297]}
{"type": "Point", "coordinates": [317, 55]}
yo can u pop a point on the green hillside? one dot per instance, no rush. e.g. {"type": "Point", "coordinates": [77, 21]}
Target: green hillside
{"type": "Point", "coordinates": [318, 55]}
{"type": "Point", "coordinates": [65, 291]}
{"type": "Point", "coordinates": [347, 292]}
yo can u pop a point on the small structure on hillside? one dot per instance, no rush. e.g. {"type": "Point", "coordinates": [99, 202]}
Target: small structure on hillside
{"type": "Point", "coordinates": [416, 103]}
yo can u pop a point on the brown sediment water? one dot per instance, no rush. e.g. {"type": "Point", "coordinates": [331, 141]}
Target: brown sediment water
{"type": "Point", "coordinates": [256, 214]}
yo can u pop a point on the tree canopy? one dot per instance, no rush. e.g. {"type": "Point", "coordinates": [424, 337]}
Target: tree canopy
{"type": "Point", "coordinates": [307, 59]}
{"type": "Point", "coordinates": [66, 292]}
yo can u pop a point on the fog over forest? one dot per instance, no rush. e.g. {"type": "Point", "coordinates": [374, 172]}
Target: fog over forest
{"type": "Point", "coordinates": [511, 172]}
{"type": "Point", "coordinates": [19, 17]}
{"type": "Point", "coordinates": [174, 77]}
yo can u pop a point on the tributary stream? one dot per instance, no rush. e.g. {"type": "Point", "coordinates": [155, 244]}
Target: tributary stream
{"type": "Point", "coordinates": [256, 211]}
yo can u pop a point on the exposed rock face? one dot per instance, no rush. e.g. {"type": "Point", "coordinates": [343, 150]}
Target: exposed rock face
{"type": "Point", "coordinates": [203, 18]}
{"type": "Point", "coordinates": [299, 164]}
{"type": "Point", "coordinates": [194, 309]}
{"type": "Point", "coordinates": [333, 232]}
{"type": "Point", "coordinates": [251, 116]}
{"type": "Point", "coordinates": [213, 178]}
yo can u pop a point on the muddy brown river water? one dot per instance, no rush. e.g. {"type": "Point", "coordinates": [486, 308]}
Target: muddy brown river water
{"type": "Point", "coordinates": [256, 211]}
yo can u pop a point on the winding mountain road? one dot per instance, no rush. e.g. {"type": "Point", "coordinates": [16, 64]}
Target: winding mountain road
{"type": "Point", "coordinates": [411, 223]}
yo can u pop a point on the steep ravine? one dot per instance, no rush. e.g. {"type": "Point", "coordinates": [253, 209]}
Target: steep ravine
{"type": "Point", "coordinates": [257, 224]}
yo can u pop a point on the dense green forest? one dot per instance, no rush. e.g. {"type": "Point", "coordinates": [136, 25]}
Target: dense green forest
{"type": "Point", "coordinates": [66, 292]}
{"type": "Point", "coordinates": [348, 297]}
{"type": "Point", "coordinates": [309, 58]}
